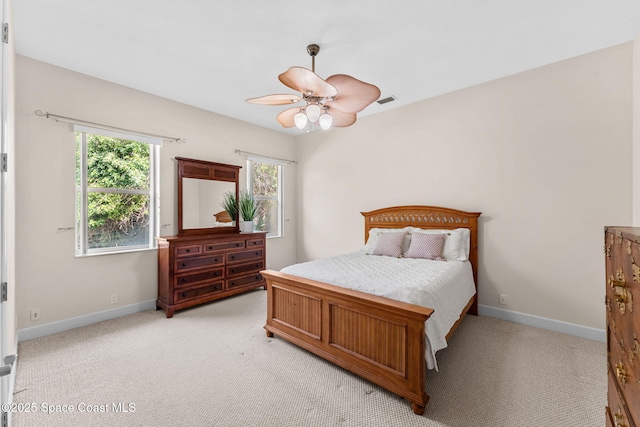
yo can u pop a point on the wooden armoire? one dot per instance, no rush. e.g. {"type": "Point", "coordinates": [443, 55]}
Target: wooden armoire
{"type": "Point", "coordinates": [622, 257]}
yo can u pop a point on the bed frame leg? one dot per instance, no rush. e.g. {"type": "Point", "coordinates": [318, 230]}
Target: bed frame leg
{"type": "Point", "coordinates": [417, 409]}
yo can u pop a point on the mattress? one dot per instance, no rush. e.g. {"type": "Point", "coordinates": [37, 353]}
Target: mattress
{"type": "Point", "coordinates": [445, 286]}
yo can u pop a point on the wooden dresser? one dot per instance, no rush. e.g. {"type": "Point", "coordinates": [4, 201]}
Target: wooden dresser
{"type": "Point", "coordinates": [622, 255]}
{"type": "Point", "coordinates": [196, 269]}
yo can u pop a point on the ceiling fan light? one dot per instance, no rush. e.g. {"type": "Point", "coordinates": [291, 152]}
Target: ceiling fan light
{"type": "Point", "coordinates": [313, 112]}
{"type": "Point", "coordinates": [300, 120]}
{"type": "Point", "coordinates": [325, 121]}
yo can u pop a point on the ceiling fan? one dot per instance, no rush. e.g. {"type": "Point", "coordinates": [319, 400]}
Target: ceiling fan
{"type": "Point", "coordinates": [331, 102]}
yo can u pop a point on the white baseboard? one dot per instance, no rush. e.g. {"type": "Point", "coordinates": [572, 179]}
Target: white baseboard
{"type": "Point", "coordinates": [484, 310]}
{"type": "Point", "coordinates": [544, 323]}
{"type": "Point", "coordinates": [76, 322]}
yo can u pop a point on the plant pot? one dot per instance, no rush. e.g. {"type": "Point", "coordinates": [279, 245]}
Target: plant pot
{"type": "Point", "coordinates": [246, 226]}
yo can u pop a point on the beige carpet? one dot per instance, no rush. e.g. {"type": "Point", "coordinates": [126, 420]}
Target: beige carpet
{"type": "Point", "coordinates": [214, 366]}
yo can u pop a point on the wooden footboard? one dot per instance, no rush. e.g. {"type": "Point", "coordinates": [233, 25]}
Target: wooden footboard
{"type": "Point", "coordinates": [379, 339]}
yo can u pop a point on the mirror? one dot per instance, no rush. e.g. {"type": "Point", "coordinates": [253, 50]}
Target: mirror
{"type": "Point", "coordinates": [201, 189]}
{"type": "Point", "coordinates": [202, 201]}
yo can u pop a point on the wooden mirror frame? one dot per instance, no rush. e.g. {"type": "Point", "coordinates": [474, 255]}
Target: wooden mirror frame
{"type": "Point", "coordinates": [202, 169]}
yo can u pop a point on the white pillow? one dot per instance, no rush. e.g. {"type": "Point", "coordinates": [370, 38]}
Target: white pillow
{"type": "Point", "coordinates": [456, 245]}
{"type": "Point", "coordinates": [373, 238]}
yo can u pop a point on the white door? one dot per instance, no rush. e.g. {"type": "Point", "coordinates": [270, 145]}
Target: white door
{"type": "Point", "coordinates": [6, 361]}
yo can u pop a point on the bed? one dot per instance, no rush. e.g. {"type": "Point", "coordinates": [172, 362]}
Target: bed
{"type": "Point", "coordinates": [376, 337]}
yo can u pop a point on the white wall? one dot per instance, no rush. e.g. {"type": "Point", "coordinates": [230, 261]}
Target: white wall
{"type": "Point", "coordinates": [545, 155]}
{"type": "Point", "coordinates": [49, 277]}
{"type": "Point", "coordinates": [636, 131]}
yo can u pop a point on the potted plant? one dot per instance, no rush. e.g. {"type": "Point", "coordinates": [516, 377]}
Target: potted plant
{"type": "Point", "coordinates": [248, 210]}
{"type": "Point", "coordinates": [230, 204]}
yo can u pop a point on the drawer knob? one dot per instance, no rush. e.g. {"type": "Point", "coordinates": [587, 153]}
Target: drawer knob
{"type": "Point", "coordinates": [183, 264]}
{"type": "Point", "coordinates": [617, 283]}
{"type": "Point", "coordinates": [257, 253]}
{"type": "Point", "coordinates": [238, 244]}
{"type": "Point", "coordinates": [619, 418]}
{"type": "Point", "coordinates": [621, 297]}
{"type": "Point", "coordinates": [233, 257]}
{"type": "Point", "coordinates": [184, 294]}
{"type": "Point", "coordinates": [621, 373]}
{"type": "Point", "coordinates": [188, 250]}
{"type": "Point", "coordinates": [624, 300]}
{"type": "Point", "coordinates": [233, 283]}
{"type": "Point", "coordinates": [233, 270]}
{"type": "Point", "coordinates": [210, 248]}
{"type": "Point", "coordinates": [184, 279]}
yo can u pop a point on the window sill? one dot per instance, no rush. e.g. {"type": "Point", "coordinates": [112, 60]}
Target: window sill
{"type": "Point", "coordinates": [93, 254]}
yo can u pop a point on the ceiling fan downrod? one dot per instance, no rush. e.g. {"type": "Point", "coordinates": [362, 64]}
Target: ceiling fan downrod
{"type": "Point", "coordinates": [313, 50]}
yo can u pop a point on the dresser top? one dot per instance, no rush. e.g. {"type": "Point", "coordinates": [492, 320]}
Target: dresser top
{"type": "Point", "coordinates": [210, 237]}
{"type": "Point", "coordinates": [631, 233]}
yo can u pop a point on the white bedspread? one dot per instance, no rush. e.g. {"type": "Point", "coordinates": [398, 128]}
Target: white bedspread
{"type": "Point", "coordinates": [445, 286]}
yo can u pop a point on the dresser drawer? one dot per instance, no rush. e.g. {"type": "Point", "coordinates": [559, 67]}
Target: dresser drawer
{"type": "Point", "coordinates": [200, 262]}
{"type": "Point", "coordinates": [188, 294]}
{"type": "Point", "coordinates": [255, 243]}
{"type": "Point", "coordinates": [623, 293]}
{"type": "Point", "coordinates": [617, 407]}
{"type": "Point", "coordinates": [190, 279]}
{"type": "Point", "coordinates": [623, 373]}
{"type": "Point", "coordinates": [239, 269]}
{"type": "Point", "coordinates": [191, 250]}
{"type": "Point", "coordinates": [223, 246]}
{"type": "Point", "coordinates": [609, 418]}
{"type": "Point", "coordinates": [253, 279]}
{"type": "Point", "coordinates": [244, 256]}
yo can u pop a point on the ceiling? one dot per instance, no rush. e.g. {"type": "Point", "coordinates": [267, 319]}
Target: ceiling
{"type": "Point", "coordinates": [214, 54]}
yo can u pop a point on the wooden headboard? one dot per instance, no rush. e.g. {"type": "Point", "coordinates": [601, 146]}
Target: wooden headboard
{"type": "Point", "coordinates": [427, 217]}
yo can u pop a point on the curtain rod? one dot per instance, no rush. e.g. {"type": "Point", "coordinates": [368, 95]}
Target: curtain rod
{"type": "Point", "coordinates": [58, 118]}
{"type": "Point", "coordinates": [246, 153]}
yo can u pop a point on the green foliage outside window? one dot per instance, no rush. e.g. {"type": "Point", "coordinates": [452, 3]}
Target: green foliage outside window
{"type": "Point", "coordinates": [265, 191]}
{"type": "Point", "coordinates": [115, 218]}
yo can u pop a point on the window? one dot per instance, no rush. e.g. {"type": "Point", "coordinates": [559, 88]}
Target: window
{"type": "Point", "coordinates": [116, 195]}
{"type": "Point", "coordinates": [264, 180]}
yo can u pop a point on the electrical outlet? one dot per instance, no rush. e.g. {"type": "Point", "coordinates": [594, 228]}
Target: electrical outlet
{"type": "Point", "coordinates": [114, 298]}
{"type": "Point", "coordinates": [503, 299]}
{"type": "Point", "coordinates": [35, 314]}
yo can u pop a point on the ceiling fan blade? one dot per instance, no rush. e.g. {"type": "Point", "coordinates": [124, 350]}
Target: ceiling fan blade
{"type": "Point", "coordinates": [353, 95]}
{"type": "Point", "coordinates": [286, 117]}
{"type": "Point", "coordinates": [341, 119]}
{"type": "Point", "coordinates": [278, 99]}
{"type": "Point", "coordinates": [306, 81]}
